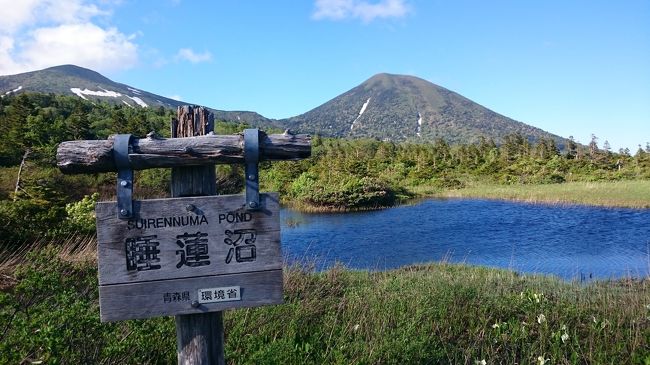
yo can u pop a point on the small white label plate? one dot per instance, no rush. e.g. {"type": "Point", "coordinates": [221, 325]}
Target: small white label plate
{"type": "Point", "coordinates": [216, 295]}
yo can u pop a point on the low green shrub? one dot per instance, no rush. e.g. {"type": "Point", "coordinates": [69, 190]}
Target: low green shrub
{"type": "Point", "coordinates": [80, 216]}
{"type": "Point", "coordinates": [349, 192]}
{"type": "Point", "coordinates": [26, 220]}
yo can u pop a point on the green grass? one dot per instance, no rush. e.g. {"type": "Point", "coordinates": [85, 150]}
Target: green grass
{"type": "Point", "coordinates": [435, 314]}
{"type": "Point", "coordinates": [7, 181]}
{"type": "Point", "coordinates": [630, 194]}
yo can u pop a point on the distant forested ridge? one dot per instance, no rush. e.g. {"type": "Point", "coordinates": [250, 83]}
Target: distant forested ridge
{"type": "Point", "coordinates": [368, 173]}
{"type": "Point", "coordinates": [38, 122]}
{"type": "Point", "coordinates": [86, 84]}
{"type": "Point", "coordinates": [387, 107]}
{"type": "Point", "coordinates": [36, 200]}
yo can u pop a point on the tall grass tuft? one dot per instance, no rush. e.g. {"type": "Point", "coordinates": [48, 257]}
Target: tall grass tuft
{"type": "Point", "coordinates": [443, 313]}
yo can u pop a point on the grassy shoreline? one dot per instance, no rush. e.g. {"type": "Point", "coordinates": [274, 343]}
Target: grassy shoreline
{"type": "Point", "coordinates": [624, 194]}
{"type": "Point", "coordinates": [633, 194]}
{"type": "Point", "coordinates": [429, 313]}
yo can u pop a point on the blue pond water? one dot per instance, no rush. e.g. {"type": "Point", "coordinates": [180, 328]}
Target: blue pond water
{"type": "Point", "coordinates": [572, 242]}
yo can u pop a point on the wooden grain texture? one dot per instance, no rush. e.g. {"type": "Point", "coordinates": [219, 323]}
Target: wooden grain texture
{"type": "Point", "coordinates": [148, 299]}
{"type": "Point", "coordinates": [91, 156]}
{"type": "Point", "coordinates": [151, 246]}
{"type": "Point", "coordinates": [192, 121]}
{"type": "Point", "coordinates": [198, 340]}
{"type": "Point", "coordinates": [199, 346]}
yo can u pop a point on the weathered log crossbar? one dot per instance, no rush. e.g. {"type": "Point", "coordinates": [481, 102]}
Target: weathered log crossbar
{"type": "Point", "coordinates": [91, 156]}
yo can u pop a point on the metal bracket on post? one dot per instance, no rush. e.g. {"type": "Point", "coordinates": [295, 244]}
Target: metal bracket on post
{"type": "Point", "coordinates": [124, 176]}
{"type": "Point", "coordinates": [251, 158]}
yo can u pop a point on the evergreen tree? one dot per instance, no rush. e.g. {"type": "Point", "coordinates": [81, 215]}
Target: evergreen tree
{"type": "Point", "coordinates": [572, 149]}
{"type": "Point", "coordinates": [593, 147]}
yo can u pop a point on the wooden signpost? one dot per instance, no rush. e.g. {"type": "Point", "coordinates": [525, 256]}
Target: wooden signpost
{"type": "Point", "coordinates": [195, 254]}
{"type": "Point", "coordinates": [184, 255]}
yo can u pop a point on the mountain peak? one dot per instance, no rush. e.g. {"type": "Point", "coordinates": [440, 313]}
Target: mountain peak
{"type": "Point", "coordinates": [385, 75]}
{"type": "Point", "coordinates": [390, 80]}
{"type": "Point", "coordinates": [78, 71]}
{"type": "Point", "coordinates": [82, 82]}
{"type": "Point", "coordinates": [408, 108]}
{"type": "Point", "coordinates": [386, 106]}
{"type": "Point", "coordinates": [70, 68]}
{"type": "Point", "coordinates": [91, 85]}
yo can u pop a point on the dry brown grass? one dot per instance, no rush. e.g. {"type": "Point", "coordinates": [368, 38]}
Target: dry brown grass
{"type": "Point", "coordinates": [75, 248]}
{"type": "Point", "coordinates": [628, 194]}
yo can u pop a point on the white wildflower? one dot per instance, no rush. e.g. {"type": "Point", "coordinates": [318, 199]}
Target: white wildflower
{"type": "Point", "coordinates": [496, 325]}
{"type": "Point", "coordinates": [356, 327]}
{"type": "Point", "coordinates": [541, 360]}
{"type": "Point", "coordinates": [480, 362]}
{"type": "Point", "coordinates": [564, 337]}
{"type": "Point", "coordinates": [541, 318]}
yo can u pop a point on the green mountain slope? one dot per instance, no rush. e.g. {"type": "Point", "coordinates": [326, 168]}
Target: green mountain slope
{"type": "Point", "coordinates": [90, 85]}
{"type": "Point", "coordinates": [386, 107]}
{"type": "Point", "coordinates": [398, 108]}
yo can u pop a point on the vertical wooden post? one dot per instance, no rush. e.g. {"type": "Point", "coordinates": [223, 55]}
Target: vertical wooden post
{"type": "Point", "coordinates": [199, 337]}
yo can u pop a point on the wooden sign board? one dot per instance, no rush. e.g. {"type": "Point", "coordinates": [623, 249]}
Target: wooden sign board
{"type": "Point", "coordinates": [188, 255]}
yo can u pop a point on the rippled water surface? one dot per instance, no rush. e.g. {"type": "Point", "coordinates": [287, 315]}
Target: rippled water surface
{"type": "Point", "coordinates": [572, 242]}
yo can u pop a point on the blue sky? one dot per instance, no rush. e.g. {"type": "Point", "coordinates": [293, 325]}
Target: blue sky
{"type": "Point", "coordinates": [568, 67]}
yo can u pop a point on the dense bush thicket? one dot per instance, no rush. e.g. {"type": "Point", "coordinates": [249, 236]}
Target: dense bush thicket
{"type": "Point", "coordinates": [341, 174]}
{"type": "Point", "coordinates": [38, 122]}
{"type": "Point", "coordinates": [47, 203]}
{"type": "Point", "coordinates": [369, 173]}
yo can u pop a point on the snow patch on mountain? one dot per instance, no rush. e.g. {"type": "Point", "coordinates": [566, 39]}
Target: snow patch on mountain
{"type": "Point", "coordinates": [419, 128]}
{"type": "Point", "coordinates": [13, 91]}
{"type": "Point", "coordinates": [363, 109]}
{"type": "Point", "coordinates": [135, 91]}
{"type": "Point", "coordinates": [138, 101]}
{"type": "Point", "coordinates": [81, 93]}
{"type": "Point", "coordinates": [364, 106]}
{"type": "Point", "coordinates": [108, 93]}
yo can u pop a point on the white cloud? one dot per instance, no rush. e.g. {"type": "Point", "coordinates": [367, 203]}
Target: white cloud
{"type": "Point", "coordinates": [72, 11]}
{"type": "Point", "coordinates": [188, 54]}
{"type": "Point", "coordinates": [26, 12]}
{"type": "Point", "coordinates": [22, 12]}
{"type": "Point", "coordinates": [7, 64]}
{"type": "Point", "coordinates": [44, 33]}
{"type": "Point", "coordinates": [80, 44]}
{"type": "Point", "coordinates": [359, 9]}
